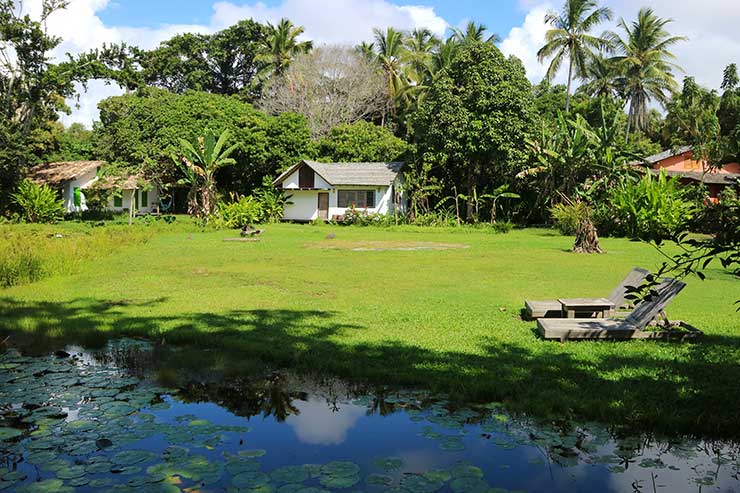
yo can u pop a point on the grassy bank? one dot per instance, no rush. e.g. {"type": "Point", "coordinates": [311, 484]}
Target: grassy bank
{"type": "Point", "coordinates": [413, 306]}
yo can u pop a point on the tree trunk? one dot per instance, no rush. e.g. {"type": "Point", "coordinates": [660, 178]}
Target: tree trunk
{"type": "Point", "coordinates": [471, 182]}
{"type": "Point", "coordinates": [587, 238]}
{"type": "Point", "coordinates": [570, 80]}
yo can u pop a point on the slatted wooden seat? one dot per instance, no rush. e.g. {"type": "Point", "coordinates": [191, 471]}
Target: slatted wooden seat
{"type": "Point", "coordinates": [534, 310]}
{"type": "Point", "coordinates": [632, 327]}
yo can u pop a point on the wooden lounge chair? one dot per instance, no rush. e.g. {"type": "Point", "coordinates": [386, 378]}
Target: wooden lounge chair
{"type": "Point", "coordinates": [632, 327]}
{"type": "Point", "coordinates": [554, 309]}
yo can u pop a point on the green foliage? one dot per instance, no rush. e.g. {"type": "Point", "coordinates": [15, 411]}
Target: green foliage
{"type": "Point", "coordinates": [272, 201]}
{"type": "Point", "coordinates": [146, 127]}
{"type": "Point", "coordinates": [653, 208]}
{"type": "Point", "coordinates": [220, 63]}
{"type": "Point", "coordinates": [362, 141]}
{"type": "Point", "coordinates": [38, 203]}
{"type": "Point", "coordinates": [569, 216]}
{"type": "Point", "coordinates": [472, 126]}
{"type": "Point", "coordinates": [239, 213]}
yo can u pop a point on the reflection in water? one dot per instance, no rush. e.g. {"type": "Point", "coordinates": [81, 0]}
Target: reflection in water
{"type": "Point", "coordinates": [320, 423]}
{"type": "Point", "coordinates": [84, 423]}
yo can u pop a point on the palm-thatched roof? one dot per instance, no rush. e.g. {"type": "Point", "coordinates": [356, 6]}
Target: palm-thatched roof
{"type": "Point", "coordinates": [57, 173]}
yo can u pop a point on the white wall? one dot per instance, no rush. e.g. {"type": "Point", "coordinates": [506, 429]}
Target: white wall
{"type": "Point", "coordinates": [150, 206]}
{"type": "Point", "coordinates": [68, 191]}
{"type": "Point", "coordinates": [303, 206]}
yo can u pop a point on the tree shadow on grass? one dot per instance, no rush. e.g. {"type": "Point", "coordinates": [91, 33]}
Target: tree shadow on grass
{"type": "Point", "coordinates": [693, 393]}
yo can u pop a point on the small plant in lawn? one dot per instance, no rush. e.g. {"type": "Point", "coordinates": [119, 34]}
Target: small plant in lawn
{"type": "Point", "coordinates": [38, 203]}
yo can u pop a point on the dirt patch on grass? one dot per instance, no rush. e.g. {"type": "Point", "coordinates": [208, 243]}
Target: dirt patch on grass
{"type": "Point", "coordinates": [382, 246]}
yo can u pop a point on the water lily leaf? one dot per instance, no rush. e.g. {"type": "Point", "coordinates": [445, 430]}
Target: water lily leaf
{"type": "Point", "coordinates": [420, 484]}
{"type": "Point", "coordinates": [463, 469]}
{"type": "Point", "coordinates": [340, 468]}
{"type": "Point", "coordinates": [379, 480]}
{"type": "Point", "coordinates": [100, 482]}
{"type": "Point", "coordinates": [252, 453]}
{"type": "Point", "coordinates": [290, 474]}
{"type": "Point", "coordinates": [388, 463]}
{"type": "Point", "coordinates": [81, 481]}
{"type": "Point", "coordinates": [250, 480]}
{"type": "Point", "coordinates": [339, 482]}
{"type": "Point", "coordinates": [290, 488]}
{"type": "Point", "coordinates": [469, 484]}
{"type": "Point", "coordinates": [71, 472]}
{"type": "Point", "coordinates": [130, 457]}
{"type": "Point", "coordinates": [45, 486]}
{"type": "Point", "coordinates": [438, 475]}
{"type": "Point", "coordinates": [9, 433]}
{"type": "Point", "coordinates": [99, 467]}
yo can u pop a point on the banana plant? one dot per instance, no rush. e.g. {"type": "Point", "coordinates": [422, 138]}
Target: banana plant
{"type": "Point", "coordinates": [199, 162]}
{"type": "Point", "coordinates": [497, 194]}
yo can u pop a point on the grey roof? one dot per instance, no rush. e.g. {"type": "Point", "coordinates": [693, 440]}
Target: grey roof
{"type": "Point", "coordinates": [713, 177]}
{"type": "Point", "coordinates": [666, 154]}
{"type": "Point", "coordinates": [374, 174]}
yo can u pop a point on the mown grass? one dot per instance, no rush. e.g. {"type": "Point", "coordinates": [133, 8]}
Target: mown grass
{"type": "Point", "coordinates": [445, 319]}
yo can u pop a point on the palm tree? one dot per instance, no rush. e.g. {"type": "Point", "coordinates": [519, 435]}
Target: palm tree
{"type": "Point", "coordinates": [200, 161]}
{"type": "Point", "coordinates": [601, 78]}
{"type": "Point", "coordinates": [474, 33]}
{"type": "Point", "coordinates": [569, 38]}
{"type": "Point", "coordinates": [646, 64]}
{"type": "Point", "coordinates": [390, 51]}
{"type": "Point", "coordinates": [443, 55]}
{"type": "Point", "coordinates": [281, 46]}
{"type": "Point", "coordinates": [419, 46]}
{"type": "Point", "coordinates": [366, 50]}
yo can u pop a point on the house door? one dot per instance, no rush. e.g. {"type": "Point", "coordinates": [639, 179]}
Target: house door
{"type": "Point", "coordinates": [323, 206]}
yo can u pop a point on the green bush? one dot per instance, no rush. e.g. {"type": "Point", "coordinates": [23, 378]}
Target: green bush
{"type": "Point", "coordinates": [19, 268]}
{"type": "Point", "coordinates": [239, 213]}
{"type": "Point", "coordinates": [38, 203]}
{"type": "Point", "coordinates": [567, 217]}
{"type": "Point", "coordinates": [652, 208]}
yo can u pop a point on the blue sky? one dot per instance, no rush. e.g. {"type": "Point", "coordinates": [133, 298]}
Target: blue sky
{"type": "Point", "coordinates": [499, 15]}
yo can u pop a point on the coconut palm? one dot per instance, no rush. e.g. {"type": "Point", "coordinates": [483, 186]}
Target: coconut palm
{"type": "Point", "coordinates": [389, 53]}
{"type": "Point", "coordinates": [443, 55]}
{"type": "Point", "coordinates": [570, 39]}
{"type": "Point", "coordinates": [601, 77]}
{"type": "Point", "coordinates": [200, 161]}
{"type": "Point", "coordinates": [281, 46]}
{"type": "Point", "coordinates": [474, 33]}
{"type": "Point", "coordinates": [646, 64]}
{"type": "Point", "coordinates": [419, 46]}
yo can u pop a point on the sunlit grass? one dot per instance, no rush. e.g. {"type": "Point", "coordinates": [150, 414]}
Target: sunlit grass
{"type": "Point", "coordinates": [447, 319]}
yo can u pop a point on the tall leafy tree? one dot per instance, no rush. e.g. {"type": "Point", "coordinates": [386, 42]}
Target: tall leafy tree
{"type": "Point", "coordinates": [692, 119]}
{"type": "Point", "coordinates": [570, 39]}
{"type": "Point", "coordinates": [222, 63]}
{"type": "Point", "coordinates": [646, 64]}
{"type": "Point", "coordinates": [600, 78]}
{"type": "Point", "coordinates": [281, 45]}
{"type": "Point", "coordinates": [473, 123]}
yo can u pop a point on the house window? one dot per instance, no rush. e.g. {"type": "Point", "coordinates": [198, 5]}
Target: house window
{"type": "Point", "coordinates": [306, 177]}
{"type": "Point", "coordinates": [117, 201]}
{"type": "Point", "coordinates": [362, 199]}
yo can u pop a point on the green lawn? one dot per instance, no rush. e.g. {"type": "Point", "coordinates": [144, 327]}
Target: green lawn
{"type": "Point", "coordinates": [443, 319]}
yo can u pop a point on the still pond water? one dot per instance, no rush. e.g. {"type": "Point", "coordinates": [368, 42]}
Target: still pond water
{"type": "Point", "coordinates": [99, 421]}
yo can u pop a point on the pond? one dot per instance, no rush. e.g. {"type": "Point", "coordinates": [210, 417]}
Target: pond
{"type": "Point", "coordinates": [101, 420]}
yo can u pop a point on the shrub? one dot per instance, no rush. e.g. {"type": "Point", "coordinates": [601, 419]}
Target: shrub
{"type": "Point", "coordinates": [361, 217]}
{"type": "Point", "coordinates": [567, 217]}
{"type": "Point", "coordinates": [20, 267]}
{"type": "Point", "coordinates": [239, 213]}
{"type": "Point", "coordinates": [652, 208]}
{"type": "Point", "coordinates": [38, 203]}
{"type": "Point", "coordinates": [272, 201]}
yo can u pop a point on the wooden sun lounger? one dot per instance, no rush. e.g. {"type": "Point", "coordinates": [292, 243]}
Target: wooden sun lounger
{"type": "Point", "coordinates": [633, 327]}
{"type": "Point", "coordinates": [534, 310]}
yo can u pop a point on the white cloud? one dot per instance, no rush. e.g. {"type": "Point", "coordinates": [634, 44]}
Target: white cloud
{"type": "Point", "coordinates": [710, 25]}
{"type": "Point", "coordinates": [319, 424]}
{"type": "Point", "coordinates": [335, 21]}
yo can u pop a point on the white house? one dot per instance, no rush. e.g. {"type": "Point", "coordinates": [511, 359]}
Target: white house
{"type": "Point", "coordinates": [72, 178]}
{"type": "Point", "coordinates": [327, 190]}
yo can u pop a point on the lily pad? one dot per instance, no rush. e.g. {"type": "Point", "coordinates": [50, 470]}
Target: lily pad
{"type": "Point", "coordinates": [130, 457]}
{"type": "Point", "coordinates": [339, 482]}
{"type": "Point", "coordinates": [379, 480]}
{"type": "Point", "coordinates": [388, 463]}
{"type": "Point", "coordinates": [439, 475]}
{"type": "Point", "coordinates": [469, 484]}
{"type": "Point", "coordinates": [9, 433]}
{"type": "Point", "coordinates": [250, 480]}
{"type": "Point", "coordinates": [71, 472]}
{"type": "Point", "coordinates": [290, 474]}
{"type": "Point", "coordinates": [420, 484]}
{"type": "Point", "coordinates": [340, 468]}
{"type": "Point", "coordinates": [252, 453]}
